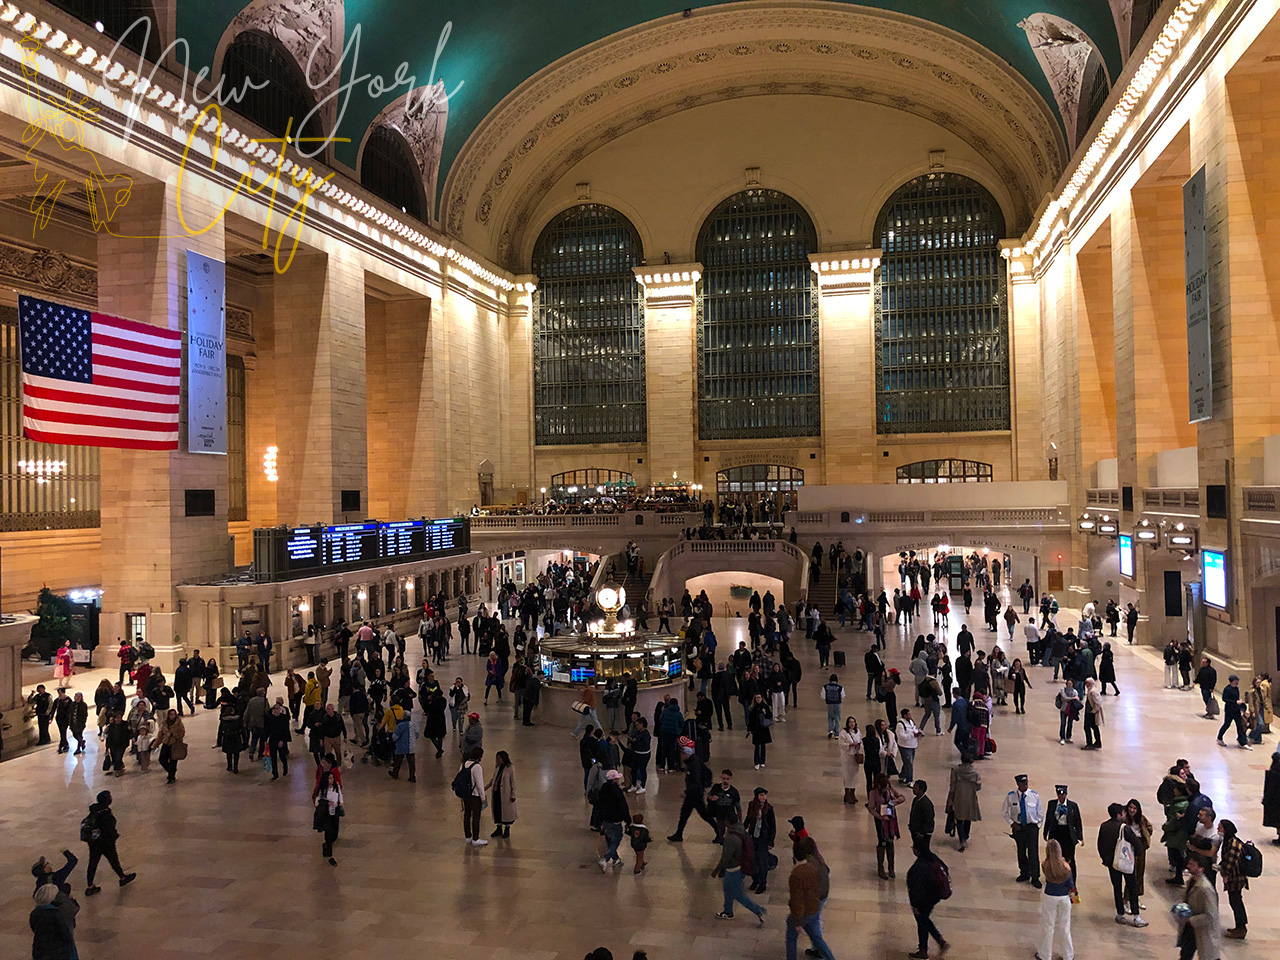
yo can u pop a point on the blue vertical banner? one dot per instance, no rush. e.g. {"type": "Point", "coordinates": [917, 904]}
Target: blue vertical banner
{"type": "Point", "coordinates": [206, 354]}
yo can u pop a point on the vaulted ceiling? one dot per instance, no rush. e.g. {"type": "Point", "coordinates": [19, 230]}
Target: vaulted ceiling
{"type": "Point", "coordinates": [482, 50]}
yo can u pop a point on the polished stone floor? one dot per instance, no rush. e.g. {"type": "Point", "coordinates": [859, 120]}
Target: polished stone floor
{"type": "Point", "coordinates": [229, 867]}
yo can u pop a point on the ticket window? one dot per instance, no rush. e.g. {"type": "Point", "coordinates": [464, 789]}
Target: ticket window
{"type": "Point", "coordinates": [433, 585]}
{"type": "Point", "coordinates": [318, 611]}
{"type": "Point", "coordinates": [296, 626]}
{"type": "Point", "coordinates": [468, 580]}
{"type": "Point", "coordinates": [419, 590]}
{"type": "Point", "coordinates": [404, 593]}
{"type": "Point", "coordinates": [357, 605]}
{"type": "Point", "coordinates": [375, 602]}
{"type": "Point", "coordinates": [389, 597]}
{"type": "Point", "coordinates": [339, 605]}
{"type": "Point", "coordinates": [457, 582]}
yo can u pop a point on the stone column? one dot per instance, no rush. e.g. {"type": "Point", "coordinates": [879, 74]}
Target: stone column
{"type": "Point", "coordinates": [671, 376]}
{"type": "Point", "coordinates": [150, 542]}
{"type": "Point", "coordinates": [401, 418]}
{"type": "Point", "coordinates": [847, 364]}
{"type": "Point", "coordinates": [320, 365]}
{"type": "Point", "coordinates": [519, 412]}
{"type": "Point", "coordinates": [1026, 367]}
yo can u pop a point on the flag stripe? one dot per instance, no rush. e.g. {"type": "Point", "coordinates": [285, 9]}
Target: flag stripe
{"type": "Point", "coordinates": [115, 438]}
{"type": "Point", "coordinates": [137, 328]}
{"type": "Point", "coordinates": [106, 359]}
{"type": "Point", "coordinates": [46, 399]}
{"type": "Point", "coordinates": [117, 384]}
{"type": "Point", "coordinates": [116, 389]}
{"type": "Point", "coordinates": [82, 418]}
{"type": "Point", "coordinates": [134, 346]}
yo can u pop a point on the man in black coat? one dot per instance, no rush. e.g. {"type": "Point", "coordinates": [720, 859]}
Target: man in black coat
{"type": "Point", "coordinates": [920, 822]}
{"type": "Point", "coordinates": [925, 890]}
{"type": "Point", "coordinates": [100, 832]}
{"type": "Point", "coordinates": [697, 780]}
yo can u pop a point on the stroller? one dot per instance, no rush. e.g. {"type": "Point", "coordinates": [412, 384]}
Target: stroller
{"type": "Point", "coordinates": [382, 747]}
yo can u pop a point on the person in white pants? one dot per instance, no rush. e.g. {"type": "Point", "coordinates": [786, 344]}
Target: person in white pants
{"type": "Point", "coordinates": [1055, 905]}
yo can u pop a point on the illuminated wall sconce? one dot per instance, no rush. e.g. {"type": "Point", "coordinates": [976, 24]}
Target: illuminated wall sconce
{"type": "Point", "coordinates": [362, 596]}
{"type": "Point", "coordinates": [1146, 531]}
{"type": "Point", "coordinates": [303, 606]}
{"type": "Point", "coordinates": [1087, 524]}
{"type": "Point", "coordinates": [270, 462]}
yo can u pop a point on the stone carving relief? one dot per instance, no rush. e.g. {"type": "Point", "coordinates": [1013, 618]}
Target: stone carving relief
{"type": "Point", "coordinates": [301, 27]}
{"type": "Point", "coordinates": [49, 270]}
{"type": "Point", "coordinates": [1122, 13]}
{"type": "Point", "coordinates": [420, 116]}
{"type": "Point", "coordinates": [239, 323]}
{"type": "Point", "coordinates": [1063, 51]}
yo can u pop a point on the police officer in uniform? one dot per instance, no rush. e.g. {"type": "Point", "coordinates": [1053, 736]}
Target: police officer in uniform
{"type": "Point", "coordinates": [1023, 813]}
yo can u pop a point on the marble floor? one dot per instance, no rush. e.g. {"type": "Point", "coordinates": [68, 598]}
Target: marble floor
{"type": "Point", "coordinates": [229, 866]}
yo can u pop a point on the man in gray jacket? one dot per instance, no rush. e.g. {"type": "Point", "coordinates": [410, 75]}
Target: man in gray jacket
{"type": "Point", "coordinates": [472, 735]}
{"type": "Point", "coordinates": [730, 870]}
{"type": "Point", "coordinates": [255, 721]}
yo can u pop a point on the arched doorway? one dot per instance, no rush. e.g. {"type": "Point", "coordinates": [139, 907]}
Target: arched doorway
{"type": "Point", "coordinates": [772, 485]}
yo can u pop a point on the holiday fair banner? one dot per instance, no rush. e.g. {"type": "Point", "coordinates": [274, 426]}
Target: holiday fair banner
{"type": "Point", "coordinates": [206, 354]}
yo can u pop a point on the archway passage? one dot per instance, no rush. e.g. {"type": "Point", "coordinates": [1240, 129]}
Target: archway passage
{"type": "Point", "coordinates": [730, 590]}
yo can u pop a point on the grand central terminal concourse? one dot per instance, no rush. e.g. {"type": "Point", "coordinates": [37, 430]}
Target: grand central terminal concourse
{"type": "Point", "coordinates": [503, 480]}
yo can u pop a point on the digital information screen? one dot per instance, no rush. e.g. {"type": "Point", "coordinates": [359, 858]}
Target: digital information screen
{"type": "Point", "coordinates": [1215, 578]}
{"type": "Point", "coordinates": [1126, 555]}
{"type": "Point", "coordinates": [315, 550]}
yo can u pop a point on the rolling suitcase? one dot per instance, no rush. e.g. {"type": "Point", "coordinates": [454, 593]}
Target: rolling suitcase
{"type": "Point", "coordinates": [838, 655]}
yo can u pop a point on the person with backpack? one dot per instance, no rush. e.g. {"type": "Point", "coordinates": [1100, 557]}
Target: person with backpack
{"type": "Point", "coordinates": [697, 781]}
{"type": "Point", "coordinates": [468, 786]}
{"type": "Point", "coordinates": [1235, 860]}
{"type": "Point", "coordinates": [1118, 842]}
{"type": "Point", "coordinates": [928, 884]}
{"type": "Point", "coordinates": [737, 858]}
{"type": "Point", "coordinates": [808, 886]}
{"type": "Point", "coordinates": [98, 829]}
{"type": "Point", "coordinates": [612, 811]}
{"type": "Point", "coordinates": [833, 697]}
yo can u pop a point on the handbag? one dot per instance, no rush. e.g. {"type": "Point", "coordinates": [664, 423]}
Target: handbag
{"type": "Point", "coordinates": [178, 751]}
{"type": "Point", "coordinates": [579, 707]}
{"type": "Point", "coordinates": [1123, 860]}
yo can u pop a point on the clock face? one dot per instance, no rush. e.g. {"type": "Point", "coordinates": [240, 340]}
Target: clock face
{"type": "Point", "coordinates": [607, 598]}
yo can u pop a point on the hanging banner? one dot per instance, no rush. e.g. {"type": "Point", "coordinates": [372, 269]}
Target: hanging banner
{"type": "Point", "coordinates": [206, 355]}
{"type": "Point", "coordinates": [1199, 354]}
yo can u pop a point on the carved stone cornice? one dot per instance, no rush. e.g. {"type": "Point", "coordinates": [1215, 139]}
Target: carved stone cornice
{"type": "Point", "coordinates": [846, 273]}
{"type": "Point", "coordinates": [669, 285]}
{"type": "Point", "coordinates": [38, 268]}
{"type": "Point", "coordinates": [826, 49]}
{"type": "Point", "coordinates": [239, 323]}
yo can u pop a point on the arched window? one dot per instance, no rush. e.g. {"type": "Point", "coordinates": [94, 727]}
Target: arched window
{"type": "Point", "coordinates": [592, 477]}
{"type": "Point", "coordinates": [1094, 88]}
{"type": "Point", "coordinates": [116, 17]}
{"type": "Point", "coordinates": [274, 90]}
{"type": "Point", "coordinates": [945, 471]}
{"type": "Point", "coordinates": [941, 310]}
{"type": "Point", "coordinates": [758, 478]}
{"type": "Point", "coordinates": [588, 338]}
{"type": "Point", "coordinates": [388, 170]}
{"type": "Point", "coordinates": [757, 328]}
{"type": "Point", "coordinates": [1144, 11]}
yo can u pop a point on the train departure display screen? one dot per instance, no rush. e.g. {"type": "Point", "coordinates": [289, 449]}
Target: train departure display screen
{"type": "Point", "coordinates": [282, 553]}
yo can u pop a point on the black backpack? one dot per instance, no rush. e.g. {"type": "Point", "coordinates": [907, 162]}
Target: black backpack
{"type": "Point", "coordinates": [89, 831]}
{"type": "Point", "coordinates": [146, 650]}
{"type": "Point", "coordinates": [461, 782]}
{"type": "Point", "coordinates": [1250, 860]}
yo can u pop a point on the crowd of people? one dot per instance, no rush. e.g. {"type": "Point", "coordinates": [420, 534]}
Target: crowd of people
{"type": "Point", "coordinates": [370, 708]}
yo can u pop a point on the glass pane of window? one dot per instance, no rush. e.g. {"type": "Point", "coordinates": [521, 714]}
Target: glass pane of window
{"type": "Point", "coordinates": [945, 471]}
{"type": "Point", "coordinates": [274, 91]}
{"type": "Point", "coordinates": [389, 171]}
{"type": "Point", "coordinates": [588, 340]}
{"type": "Point", "coordinates": [941, 310]}
{"type": "Point", "coordinates": [757, 327]}
{"type": "Point", "coordinates": [237, 466]}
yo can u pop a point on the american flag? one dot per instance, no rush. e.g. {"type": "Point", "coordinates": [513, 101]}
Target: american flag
{"type": "Point", "coordinates": [97, 381]}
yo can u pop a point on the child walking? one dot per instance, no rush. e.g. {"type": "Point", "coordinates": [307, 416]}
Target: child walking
{"type": "Point", "coordinates": [639, 834]}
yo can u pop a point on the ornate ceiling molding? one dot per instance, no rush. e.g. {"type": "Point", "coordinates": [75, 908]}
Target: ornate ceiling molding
{"type": "Point", "coordinates": [1063, 51]}
{"type": "Point", "coordinates": [584, 101]}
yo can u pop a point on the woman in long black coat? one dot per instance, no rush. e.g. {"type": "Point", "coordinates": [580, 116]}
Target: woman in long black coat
{"type": "Point", "coordinates": [1271, 797]}
{"type": "Point", "coordinates": [437, 726]}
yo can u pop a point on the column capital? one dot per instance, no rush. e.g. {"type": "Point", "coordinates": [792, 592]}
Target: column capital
{"type": "Point", "coordinates": [846, 272]}
{"type": "Point", "coordinates": [669, 284]}
{"type": "Point", "coordinates": [1021, 262]}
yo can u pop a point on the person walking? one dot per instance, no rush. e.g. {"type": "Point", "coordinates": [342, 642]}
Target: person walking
{"type": "Point", "coordinates": [723, 799]}
{"type": "Point", "coordinates": [833, 697]}
{"type": "Point", "coordinates": [472, 792]}
{"type": "Point", "coordinates": [77, 720]}
{"type": "Point", "coordinates": [1094, 716]}
{"type": "Point", "coordinates": [1062, 823]}
{"type": "Point", "coordinates": [851, 757]}
{"type": "Point", "coordinates": [1068, 703]}
{"type": "Point", "coordinates": [928, 884]}
{"type": "Point", "coordinates": [436, 726]}
{"type": "Point", "coordinates": [734, 855]}
{"type": "Point", "coordinates": [808, 886]}
{"type": "Point", "coordinates": [962, 798]}
{"type": "Point", "coordinates": [1201, 931]}
{"type": "Point", "coordinates": [920, 822]}
{"type": "Point", "coordinates": [1207, 681]}
{"type": "Point", "coordinates": [1271, 797]}
{"type": "Point", "coordinates": [1055, 906]}
{"type": "Point", "coordinates": [586, 710]}
{"type": "Point", "coordinates": [172, 738]}
{"type": "Point", "coordinates": [761, 827]}
{"type": "Point", "coordinates": [759, 720]}
{"type": "Point", "coordinates": [697, 781]}
{"type": "Point", "coordinates": [640, 748]}
{"type": "Point", "coordinates": [612, 811]}
{"type": "Point", "coordinates": [1234, 881]}
{"type": "Point", "coordinates": [906, 733]}
{"type": "Point", "coordinates": [279, 734]}
{"type": "Point", "coordinates": [472, 737]}
{"type": "Point", "coordinates": [100, 832]}
{"type": "Point", "coordinates": [1107, 669]}
{"type": "Point", "coordinates": [403, 736]}
{"type": "Point", "coordinates": [1023, 813]}
{"type": "Point", "coordinates": [1232, 713]}
{"type": "Point", "coordinates": [1131, 621]}
{"type": "Point", "coordinates": [329, 810]}
{"type": "Point", "coordinates": [883, 801]}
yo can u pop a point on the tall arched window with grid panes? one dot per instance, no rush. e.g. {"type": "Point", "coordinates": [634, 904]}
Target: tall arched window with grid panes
{"type": "Point", "coordinates": [757, 325]}
{"type": "Point", "coordinates": [588, 338]}
{"type": "Point", "coordinates": [276, 95]}
{"type": "Point", "coordinates": [941, 310]}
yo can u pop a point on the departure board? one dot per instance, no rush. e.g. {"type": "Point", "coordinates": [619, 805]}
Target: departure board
{"type": "Point", "coordinates": [284, 553]}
